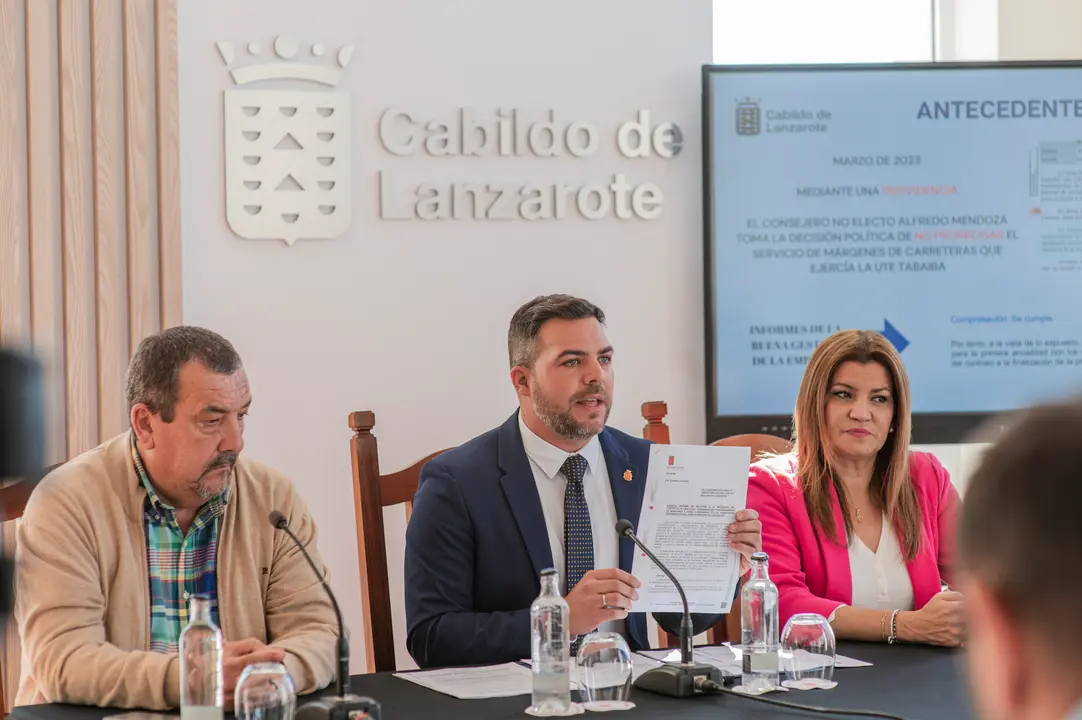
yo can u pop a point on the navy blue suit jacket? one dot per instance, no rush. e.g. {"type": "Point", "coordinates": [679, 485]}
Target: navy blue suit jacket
{"type": "Point", "coordinates": [476, 545]}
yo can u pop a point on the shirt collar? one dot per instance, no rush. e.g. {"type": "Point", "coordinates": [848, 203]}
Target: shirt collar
{"type": "Point", "coordinates": [216, 503]}
{"type": "Point", "coordinates": [551, 458]}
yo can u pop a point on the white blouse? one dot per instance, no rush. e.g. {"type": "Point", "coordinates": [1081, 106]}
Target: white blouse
{"type": "Point", "coordinates": [880, 579]}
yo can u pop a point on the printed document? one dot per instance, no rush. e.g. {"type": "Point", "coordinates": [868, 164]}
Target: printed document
{"type": "Point", "coordinates": [507, 680]}
{"type": "Point", "coordinates": [692, 495]}
{"type": "Point", "coordinates": [728, 658]}
{"type": "Point", "coordinates": [475, 683]}
{"type": "Point", "coordinates": [639, 664]}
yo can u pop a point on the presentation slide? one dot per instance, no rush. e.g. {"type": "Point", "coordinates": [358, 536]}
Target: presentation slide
{"type": "Point", "coordinates": [941, 207]}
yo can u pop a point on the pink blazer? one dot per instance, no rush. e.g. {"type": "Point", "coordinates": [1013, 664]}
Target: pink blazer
{"type": "Point", "coordinates": [812, 573]}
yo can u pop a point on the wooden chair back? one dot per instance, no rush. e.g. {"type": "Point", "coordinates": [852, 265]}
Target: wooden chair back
{"type": "Point", "coordinates": [655, 430]}
{"type": "Point", "coordinates": [371, 493]}
{"type": "Point", "coordinates": [13, 499]}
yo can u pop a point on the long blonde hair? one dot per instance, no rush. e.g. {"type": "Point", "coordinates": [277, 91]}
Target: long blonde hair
{"type": "Point", "coordinates": [891, 487]}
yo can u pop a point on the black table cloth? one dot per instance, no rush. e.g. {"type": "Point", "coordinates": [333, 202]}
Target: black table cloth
{"type": "Point", "coordinates": [915, 682]}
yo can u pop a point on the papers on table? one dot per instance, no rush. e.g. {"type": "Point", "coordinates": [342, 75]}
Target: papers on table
{"type": "Point", "coordinates": [692, 495]}
{"type": "Point", "coordinates": [841, 661]}
{"type": "Point", "coordinates": [807, 661]}
{"type": "Point", "coordinates": [475, 683]}
{"type": "Point", "coordinates": [728, 658]}
{"type": "Point", "coordinates": [639, 664]}
{"type": "Point", "coordinates": [507, 680]}
{"type": "Point", "coordinates": [720, 657]}
{"type": "Point", "coordinates": [511, 679]}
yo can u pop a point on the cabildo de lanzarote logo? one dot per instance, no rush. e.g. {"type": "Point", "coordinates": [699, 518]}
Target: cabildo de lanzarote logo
{"type": "Point", "coordinates": [287, 147]}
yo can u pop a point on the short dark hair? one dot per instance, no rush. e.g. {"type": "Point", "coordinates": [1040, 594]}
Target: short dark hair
{"type": "Point", "coordinates": [1020, 534]}
{"type": "Point", "coordinates": [527, 321]}
{"type": "Point", "coordinates": [154, 371]}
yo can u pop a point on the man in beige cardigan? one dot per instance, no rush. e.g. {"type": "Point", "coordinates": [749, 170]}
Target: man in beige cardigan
{"type": "Point", "coordinates": [114, 542]}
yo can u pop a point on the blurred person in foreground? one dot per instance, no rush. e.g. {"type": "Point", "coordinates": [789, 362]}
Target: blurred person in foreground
{"type": "Point", "coordinates": [114, 542]}
{"type": "Point", "coordinates": [858, 527]}
{"type": "Point", "coordinates": [1020, 568]}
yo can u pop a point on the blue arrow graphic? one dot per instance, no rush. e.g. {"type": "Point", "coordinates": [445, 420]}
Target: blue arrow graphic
{"type": "Point", "coordinates": [896, 338]}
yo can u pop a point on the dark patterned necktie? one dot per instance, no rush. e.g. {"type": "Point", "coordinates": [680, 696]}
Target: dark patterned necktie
{"type": "Point", "coordinates": [578, 533]}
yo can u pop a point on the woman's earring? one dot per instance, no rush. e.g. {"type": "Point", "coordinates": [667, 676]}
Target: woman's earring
{"type": "Point", "coordinates": [892, 429]}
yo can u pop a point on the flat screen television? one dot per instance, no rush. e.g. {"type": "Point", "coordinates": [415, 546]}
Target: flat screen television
{"type": "Point", "coordinates": [939, 204]}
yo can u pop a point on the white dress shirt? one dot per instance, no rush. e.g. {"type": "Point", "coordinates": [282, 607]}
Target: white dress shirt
{"type": "Point", "coordinates": [545, 461]}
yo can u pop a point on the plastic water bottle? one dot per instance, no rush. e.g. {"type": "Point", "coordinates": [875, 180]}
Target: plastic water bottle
{"type": "Point", "coordinates": [550, 648]}
{"type": "Point", "coordinates": [201, 691]}
{"type": "Point", "coordinates": [759, 625]}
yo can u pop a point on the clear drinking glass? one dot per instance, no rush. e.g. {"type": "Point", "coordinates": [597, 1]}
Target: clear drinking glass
{"type": "Point", "coordinates": [265, 691]}
{"type": "Point", "coordinates": [806, 655]}
{"type": "Point", "coordinates": [604, 672]}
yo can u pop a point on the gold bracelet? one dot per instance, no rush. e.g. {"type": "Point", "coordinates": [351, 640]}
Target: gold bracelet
{"type": "Point", "coordinates": [883, 626]}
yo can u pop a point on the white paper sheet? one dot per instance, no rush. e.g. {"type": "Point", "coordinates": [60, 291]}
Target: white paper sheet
{"type": "Point", "coordinates": [807, 660]}
{"type": "Point", "coordinates": [475, 683]}
{"type": "Point", "coordinates": [491, 681]}
{"type": "Point", "coordinates": [692, 495]}
{"type": "Point", "coordinates": [729, 658]}
{"type": "Point", "coordinates": [639, 664]}
{"type": "Point", "coordinates": [721, 658]}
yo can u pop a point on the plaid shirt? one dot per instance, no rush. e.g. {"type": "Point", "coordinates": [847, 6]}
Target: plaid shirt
{"type": "Point", "coordinates": [178, 565]}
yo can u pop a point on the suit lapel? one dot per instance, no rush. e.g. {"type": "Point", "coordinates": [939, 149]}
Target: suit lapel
{"type": "Point", "coordinates": [627, 493]}
{"type": "Point", "coordinates": [520, 490]}
{"type": "Point", "coordinates": [839, 580]}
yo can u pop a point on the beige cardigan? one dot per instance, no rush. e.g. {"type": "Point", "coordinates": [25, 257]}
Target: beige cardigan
{"type": "Point", "coordinates": [82, 592]}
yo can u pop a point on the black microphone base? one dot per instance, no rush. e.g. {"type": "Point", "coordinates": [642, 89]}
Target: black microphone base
{"type": "Point", "coordinates": [676, 680]}
{"type": "Point", "coordinates": [351, 707]}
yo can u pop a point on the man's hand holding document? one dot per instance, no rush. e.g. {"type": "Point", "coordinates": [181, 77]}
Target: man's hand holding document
{"type": "Point", "coordinates": [692, 495]}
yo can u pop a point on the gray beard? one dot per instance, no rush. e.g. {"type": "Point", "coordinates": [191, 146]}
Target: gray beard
{"type": "Point", "coordinates": [205, 491]}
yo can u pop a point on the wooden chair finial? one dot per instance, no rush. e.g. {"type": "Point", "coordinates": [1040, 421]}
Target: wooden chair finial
{"type": "Point", "coordinates": [362, 421]}
{"type": "Point", "coordinates": [656, 430]}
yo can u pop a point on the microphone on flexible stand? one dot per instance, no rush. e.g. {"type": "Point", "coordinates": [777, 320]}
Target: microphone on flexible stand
{"type": "Point", "coordinates": [343, 705]}
{"type": "Point", "coordinates": [674, 680]}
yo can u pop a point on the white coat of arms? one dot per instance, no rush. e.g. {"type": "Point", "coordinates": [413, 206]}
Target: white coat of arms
{"type": "Point", "coordinates": [287, 150]}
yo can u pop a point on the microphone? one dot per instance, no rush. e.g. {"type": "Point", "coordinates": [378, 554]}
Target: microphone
{"type": "Point", "coordinates": [672, 679]}
{"type": "Point", "coordinates": [344, 705]}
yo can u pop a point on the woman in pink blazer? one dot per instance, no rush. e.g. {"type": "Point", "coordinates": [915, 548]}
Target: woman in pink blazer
{"type": "Point", "coordinates": [857, 527]}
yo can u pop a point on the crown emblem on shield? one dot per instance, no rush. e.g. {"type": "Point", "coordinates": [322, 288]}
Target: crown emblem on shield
{"type": "Point", "coordinates": [287, 145]}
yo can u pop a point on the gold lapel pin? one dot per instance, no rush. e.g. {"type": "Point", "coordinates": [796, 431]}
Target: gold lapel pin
{"type": "Point", "coordinates": [627, 475]}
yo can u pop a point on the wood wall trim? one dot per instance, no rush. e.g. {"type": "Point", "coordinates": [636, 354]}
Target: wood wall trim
{"type": "Point", "coordinates": [112, 323]}
{"type": "Point", "coordinates": [11, 141]}
{"type": "Point", "coordinates": [88, 108]}
{"type": "Point", "coordinates": [74, 220]}
{"type": "Point", "coordinates": [168, 100]}
{"type": "Point", "coordinates": [137, 107]}
{"type": "Point", "coordinates": [43, 181]}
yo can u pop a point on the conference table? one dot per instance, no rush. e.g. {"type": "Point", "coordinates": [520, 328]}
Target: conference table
{"type": "Point", "coordinates": [914, 682]}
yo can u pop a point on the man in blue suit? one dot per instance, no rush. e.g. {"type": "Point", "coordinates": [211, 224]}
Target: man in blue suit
{"type": "Point", "coordinates": [544, 489]}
